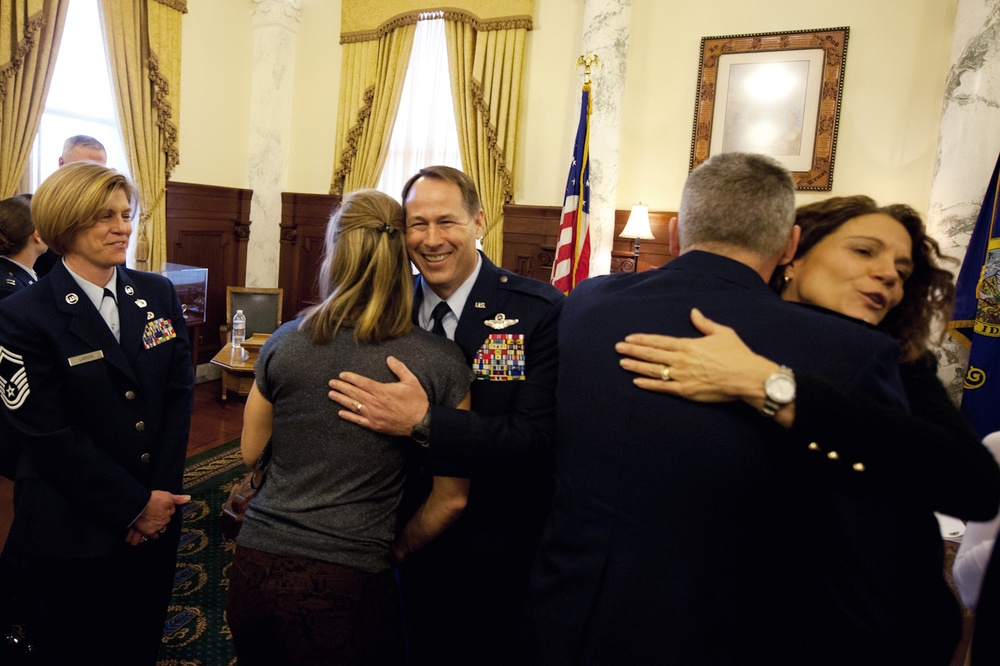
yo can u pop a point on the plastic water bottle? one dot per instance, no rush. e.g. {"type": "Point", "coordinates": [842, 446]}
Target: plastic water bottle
{"type": "Point", "coordinates": [239, 329]}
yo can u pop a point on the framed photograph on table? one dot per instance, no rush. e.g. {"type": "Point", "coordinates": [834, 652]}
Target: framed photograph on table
{"type": "Point", "coordinates": [774, 93]}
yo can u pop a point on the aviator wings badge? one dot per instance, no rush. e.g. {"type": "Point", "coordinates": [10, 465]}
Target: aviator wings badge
{"type": "Point", "coordinates": [500, 322]}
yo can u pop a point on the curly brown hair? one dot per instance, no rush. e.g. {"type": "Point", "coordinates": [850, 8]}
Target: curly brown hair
{"type": "Point", "coordinates": [928, 293]}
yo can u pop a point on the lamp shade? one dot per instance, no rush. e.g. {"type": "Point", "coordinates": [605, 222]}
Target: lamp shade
{"type": "Point", "coordinates": [638, 223]}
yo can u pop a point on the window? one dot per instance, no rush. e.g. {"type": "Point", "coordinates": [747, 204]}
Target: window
{"type": "Point", "coordinates": [425, 132]}
{"type": "Point", "coordinates": [81, 100]}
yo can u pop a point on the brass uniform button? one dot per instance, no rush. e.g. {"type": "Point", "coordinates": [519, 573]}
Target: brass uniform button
{"type": "Point", "coordinates": [130, 395]}
{"type": "Point", "coordinates": [140, 426]}
{"type": "Point", "coordinates": [144, 458]}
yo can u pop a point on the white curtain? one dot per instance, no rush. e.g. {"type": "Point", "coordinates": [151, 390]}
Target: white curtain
{"type": "Point", "coordinates": [425, 131]}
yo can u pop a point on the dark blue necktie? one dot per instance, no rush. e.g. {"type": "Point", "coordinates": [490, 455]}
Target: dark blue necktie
{"type": "Point", "coordinates": [437, 316]}
{"type": "Point", "coordinates": [109, 311]}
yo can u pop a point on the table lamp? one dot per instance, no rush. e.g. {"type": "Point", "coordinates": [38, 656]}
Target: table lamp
{"type": "Point", "coordinates": [637, 228]}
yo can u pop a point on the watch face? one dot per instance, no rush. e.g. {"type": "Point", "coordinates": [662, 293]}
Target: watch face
{"type": "Point", "coordinates": [780, 389]}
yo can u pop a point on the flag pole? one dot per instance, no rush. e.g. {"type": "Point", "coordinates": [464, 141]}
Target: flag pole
{"type": "Point", "coordinates": [587, 60]}
{"type": "Point", "coordinates": [571, 263]}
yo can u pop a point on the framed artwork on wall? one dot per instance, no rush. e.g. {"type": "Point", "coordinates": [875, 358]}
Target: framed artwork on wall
{"type": "Point", "coordinates": [774, 93]}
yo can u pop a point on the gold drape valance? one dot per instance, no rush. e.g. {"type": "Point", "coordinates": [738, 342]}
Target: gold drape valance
{"type": "Point", "coordinates": [485, 43]}
{"type": "Point", "coordinates": [363, 20]}
{"type": "Point", "coordinates": [30, 31]}
{"type": "Point", "coordinates": [179, 5]}
{"type": "Point", "coordinates": [486, 87]}
{"type": "Point", "coordinates": [370, 88]}
{"type": "Point", "coordinates": [144, 47]}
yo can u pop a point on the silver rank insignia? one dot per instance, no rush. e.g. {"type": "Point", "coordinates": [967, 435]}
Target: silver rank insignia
{"type": "Point", "coordinates": [500, 322]}
{"type": "Point", "coordinates": [12, 282]}
{"type": "Point", "coordinates": [129, 290]}
{"type": "Point", "coordinates": [141, 302]}
{"type": "Point", "coordinates": [72, 298]}
{"type": "Point", "coordinates": [14, 389]}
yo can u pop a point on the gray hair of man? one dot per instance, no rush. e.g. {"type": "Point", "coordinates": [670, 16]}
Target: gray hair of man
{"type": "Point", "coordinates": [741, 200]}
{"type": "Point", "coordinates": [81, 141]}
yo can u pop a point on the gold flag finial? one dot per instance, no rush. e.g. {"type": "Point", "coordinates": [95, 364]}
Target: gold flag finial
{"type": "Point", "coordinates": [587, 60]}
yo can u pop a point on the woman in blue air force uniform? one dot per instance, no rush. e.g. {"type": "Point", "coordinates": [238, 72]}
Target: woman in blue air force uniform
{"type": "Point", "coordinates": [20, 245]}
{"type": "Point", "coordinates": [96, 378]}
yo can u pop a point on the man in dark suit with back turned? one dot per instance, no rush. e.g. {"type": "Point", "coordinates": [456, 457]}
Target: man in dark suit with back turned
{"type": "Point", "coordinates": [463, 594]}
{"type": "Point", "coordinates": [673, 534]}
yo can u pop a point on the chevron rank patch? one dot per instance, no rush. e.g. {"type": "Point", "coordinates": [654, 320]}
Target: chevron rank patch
{"type": "Point", "coordinates": [14, 389]}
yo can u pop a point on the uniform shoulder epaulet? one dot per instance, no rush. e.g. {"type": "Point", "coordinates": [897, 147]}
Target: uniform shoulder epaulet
{"type": "Point", "coordinates": [527, 285]}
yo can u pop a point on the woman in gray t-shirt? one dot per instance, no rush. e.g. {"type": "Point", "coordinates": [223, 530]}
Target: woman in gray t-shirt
{"type": "Point", "coordinates": [311, 581]}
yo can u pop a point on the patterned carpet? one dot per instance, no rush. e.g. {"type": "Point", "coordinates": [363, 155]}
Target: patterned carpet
{"type": "Point", "coordinates": [196, 633]}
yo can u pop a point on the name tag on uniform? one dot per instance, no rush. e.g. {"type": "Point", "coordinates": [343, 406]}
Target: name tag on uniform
{"type": "Point", "coordinates": [501, 358]}
{"type": "Point", "coordinates": [85, 358]}
{"type": "Point", "coordinates": [157, 332]}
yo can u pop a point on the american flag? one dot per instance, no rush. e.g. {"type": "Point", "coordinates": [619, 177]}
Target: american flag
{"type": "Point", "coordinates": [572, 262]}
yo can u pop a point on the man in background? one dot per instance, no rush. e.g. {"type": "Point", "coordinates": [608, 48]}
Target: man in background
{"type": "Point", "coordinates": [463, 595]}
{"type": "Point", "coordinates": [83, 148]}
{"type": "Point", "coordinates": [672, 536]}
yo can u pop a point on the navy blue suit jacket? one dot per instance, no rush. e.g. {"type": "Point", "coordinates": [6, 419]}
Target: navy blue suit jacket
{"type": "Point", "coordinates": [100, 424]}
{"type": "Point", "coordinates": [467, 587]}
{"type": "Point", "coordinates": [680, 532]}
{"type": "Point", "coordinates": [511, 427]}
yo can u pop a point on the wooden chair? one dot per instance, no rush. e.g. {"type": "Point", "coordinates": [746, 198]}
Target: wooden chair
{"type": "Point", "coordinates": [261, 305]}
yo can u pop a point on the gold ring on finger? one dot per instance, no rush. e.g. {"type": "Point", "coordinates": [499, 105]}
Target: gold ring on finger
{"type": "Point", "coordinates": [665, 374]}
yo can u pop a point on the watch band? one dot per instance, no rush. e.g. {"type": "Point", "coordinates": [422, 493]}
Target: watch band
{"type": "Point", "coordinates": [770, 408]}
{"type": "Point", "coordinates": [421, 432]}
{"type": "Point", "coordinates": [779, 390]}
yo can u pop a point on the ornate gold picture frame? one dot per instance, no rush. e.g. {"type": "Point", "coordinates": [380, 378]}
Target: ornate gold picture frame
{"type": "Point", "coordinates": [773, 93]}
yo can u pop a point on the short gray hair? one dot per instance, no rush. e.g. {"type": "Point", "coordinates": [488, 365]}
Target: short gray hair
{"type": "Point", "coordinates": [743, 200]}
{"type": "Point", "coordinates": [81, 141]}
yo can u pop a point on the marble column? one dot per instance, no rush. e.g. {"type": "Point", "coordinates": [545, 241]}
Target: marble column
{"type": "Point", "coordinates": [605, 34]}
{"type": "Point", "coordinates": [968, 145]}
{"type": "Point", "coordinates": [275, 31]}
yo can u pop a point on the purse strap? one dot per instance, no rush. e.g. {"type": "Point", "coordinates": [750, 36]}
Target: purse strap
{"type": "Point", "coordinates": [260, 467]}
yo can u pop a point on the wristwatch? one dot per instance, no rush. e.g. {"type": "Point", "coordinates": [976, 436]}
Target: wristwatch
{"type": "Point", "coordinates": [779, 390]}
{"type": "Point", "coordinates": [421, 432]}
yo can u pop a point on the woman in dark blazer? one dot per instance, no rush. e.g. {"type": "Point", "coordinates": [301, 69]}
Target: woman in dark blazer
{"type": "Point", "coordinates": [96, 374]}
{"type": "Point", "coordinates": [20, 245]}
{"type": "Point", "coordinates": [881, 473]}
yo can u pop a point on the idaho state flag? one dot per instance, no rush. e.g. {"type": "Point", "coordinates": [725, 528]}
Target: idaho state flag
{"type": "Point", "coordinates": [572, 262]}
{"type": "Point", "coordinates": [976, 322]}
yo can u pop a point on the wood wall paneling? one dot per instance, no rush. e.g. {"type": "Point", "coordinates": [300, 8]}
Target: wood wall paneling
{"type": "Point", "coordinates": [209, 226]}
{"type": "Point", "coordinates": [653, 252]}
{"type": "Point", "coordinates": [529, 239]}
{"type": "Point", "coordinates": [303, 227]}
{"type": "Point", "coordinates": [531, 232]}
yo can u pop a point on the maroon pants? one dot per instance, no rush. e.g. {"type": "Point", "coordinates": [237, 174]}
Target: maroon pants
{"type": "Point", "coordinates": [299, 611]}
